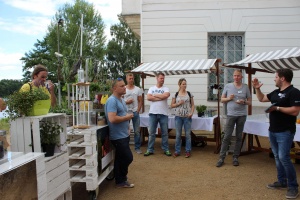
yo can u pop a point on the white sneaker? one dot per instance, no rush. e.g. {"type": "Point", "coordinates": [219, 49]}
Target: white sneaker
{"type": "Point", "coordinates": [138, 151]}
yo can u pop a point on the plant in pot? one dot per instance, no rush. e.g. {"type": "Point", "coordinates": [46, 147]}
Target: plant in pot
{"type": "Point", "coordinates": [200, 110]}
{"type": "Point", "coordinates": [49, 133]}
{"type": "Point", "coordinates": [63, 108]}
{"type": "Point", "coordinates": [21, 103]}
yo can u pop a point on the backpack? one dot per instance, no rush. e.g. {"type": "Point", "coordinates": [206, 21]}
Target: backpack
{"type": "Point", "coordinates": [176, 94]}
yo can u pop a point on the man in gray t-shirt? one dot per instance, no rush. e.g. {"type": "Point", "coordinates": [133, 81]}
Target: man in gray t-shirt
{"type": "Point", "coordinates": [237, 97]}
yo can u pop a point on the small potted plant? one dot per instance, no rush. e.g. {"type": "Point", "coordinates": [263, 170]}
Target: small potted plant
{"type": "Point", "coordinates": [215, 88]}
{"type": "Point", "coordinates": [49, 133]}
{"type": "Point", "coordinates": [64, 109]}
{"type": "Point", "coordinates": [200, 110]}
{"type": "Point", "coordinates": [28, 103]}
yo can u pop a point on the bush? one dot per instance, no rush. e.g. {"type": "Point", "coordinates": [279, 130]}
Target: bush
{"type": "Point", "coordinates": [20, 103]}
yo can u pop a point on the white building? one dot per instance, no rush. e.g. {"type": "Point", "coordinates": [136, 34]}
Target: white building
{"type": "Point", "coordinates": [202, 29]}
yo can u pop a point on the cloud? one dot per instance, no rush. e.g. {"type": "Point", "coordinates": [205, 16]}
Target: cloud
{"type": "Point", "coordinates": [38, 23]}
{"type": "Point", "coordinates": [109, 9]}
{"type": "Point", "coordinates": [10, 65]}
{"type": "Point", "coordinates": [26, 25]}
{"type": "Point", "coordinates": [44, 7]}
{"type": "Point", "coordinates": [32, 19]}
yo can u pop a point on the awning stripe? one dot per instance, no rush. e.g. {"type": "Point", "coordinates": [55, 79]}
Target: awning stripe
{"type": "Point", "coordinates": [273, 60]}
{"type": "Point", "coordinates": [178, 67]}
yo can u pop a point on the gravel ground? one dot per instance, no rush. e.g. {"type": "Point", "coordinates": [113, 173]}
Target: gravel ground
{"type": "Point", "coordinates": [162, 177]}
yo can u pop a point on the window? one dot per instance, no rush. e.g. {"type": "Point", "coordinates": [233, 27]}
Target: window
{"type": "Point", "coordinates": [229, 48]}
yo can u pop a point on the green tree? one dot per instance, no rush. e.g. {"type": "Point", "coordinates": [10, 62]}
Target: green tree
{"type": "Point", "coordinates": [8, 86]}
{"type": "Point", "coordinates": [67, 39]}
{"type": "Point", "coordinates": [123, 51]}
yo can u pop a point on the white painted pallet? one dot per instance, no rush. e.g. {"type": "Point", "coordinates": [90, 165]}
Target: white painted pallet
{"type": "Point", "coordinates": [25, 132]}
{"type": "Point", "coordinates": [57, 175]}
{"type": "Point", "coordinates": [86, 170]}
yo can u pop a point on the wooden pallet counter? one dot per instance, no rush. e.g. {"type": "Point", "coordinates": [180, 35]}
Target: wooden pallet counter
{"type": "Point", "coordinates": [90, 155]}
{"type": "Point", "coordinates": [25, 137]}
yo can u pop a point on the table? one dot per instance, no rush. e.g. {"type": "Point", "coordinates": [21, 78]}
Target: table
{"type": "Point", "coordinates": [198, 123]}
{"type": "Point", "coordinates": [258, 125]}
{"type": "Point", "coordinates": [260, 128]}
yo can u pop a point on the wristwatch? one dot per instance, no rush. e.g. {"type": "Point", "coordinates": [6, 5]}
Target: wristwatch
{"type": "Point", "coordinates": [277, 108]}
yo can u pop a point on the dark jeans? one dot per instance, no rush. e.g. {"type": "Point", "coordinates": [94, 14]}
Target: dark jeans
{"type": "Point", "coordinates": [123, 158]}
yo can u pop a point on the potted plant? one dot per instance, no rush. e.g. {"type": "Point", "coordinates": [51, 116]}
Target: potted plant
{"type": "Point", "coordinates": [49, 133]}
{"type": "Point", "coordinates": [200, 110]}
{"type": "Point", "coordinates": [28, 103]}
{"type": "Point", "coordinates": [64, 109]}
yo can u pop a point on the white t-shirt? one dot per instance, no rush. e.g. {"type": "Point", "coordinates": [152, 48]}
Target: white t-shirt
{"type": "Point", "coordinates": [158, 107]}
{"type": "Point", "coordinates": [133, 94]}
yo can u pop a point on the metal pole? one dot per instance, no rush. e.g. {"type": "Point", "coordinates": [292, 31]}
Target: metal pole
{"type": "Point", "coordinates": [58, 65]}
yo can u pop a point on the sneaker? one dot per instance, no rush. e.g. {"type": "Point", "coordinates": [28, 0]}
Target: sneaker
{"type": "Point", "coordinates": [125, 184]}
{"type": "Point", "coordinates": [138, 151]}
{"type": "Point", "coordinates": [235, 162]}
{"type": "Point", "coordinates": [168, 153]}
{"type": "Point", "coordinates": [220, 163]}
{"type": "Point", "coordinates": [277, 185]}
{"type": "Point", "coordinates": [187, 154]}
{"type": "Point", "coordinates": [176, 155]}
{"type": "Point", "coordinates": [292, 194]}
{"type": "Point", "coordinates": [148, 153]}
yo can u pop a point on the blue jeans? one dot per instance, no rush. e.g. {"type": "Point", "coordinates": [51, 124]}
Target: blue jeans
{"type": "Point", "coordinates": [123, 158]}
{"type": "Point", "coordinates": [154, 119]}
{"type": "Point", "coordinates": [238, 122]}
{"type": "Point", "coordinates": [136, 129]}
{"type": "Point", "coordinates": [281, 145]}
{"type": "Point", "coordinates": [186, 123]}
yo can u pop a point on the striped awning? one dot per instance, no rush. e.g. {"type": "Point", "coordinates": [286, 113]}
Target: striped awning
{"type": "Point", "coordinates": [178, 67]}
{"type": "Point", "coordinates": [273, 60]}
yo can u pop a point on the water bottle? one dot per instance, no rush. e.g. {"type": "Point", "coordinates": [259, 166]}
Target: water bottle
{"type": "Point", "coordinates": [80, 75]}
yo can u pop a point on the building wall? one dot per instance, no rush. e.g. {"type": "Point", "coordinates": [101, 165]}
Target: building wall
{"type": "Point", "coordinates": [178, 29]}
{"type": "Point", "coordinates": [175, 30]}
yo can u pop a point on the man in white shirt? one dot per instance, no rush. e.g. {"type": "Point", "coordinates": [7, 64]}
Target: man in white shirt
{"type": "Point", "coordinates": [133, 100]}
{"type": "Point", "coordinates": [158, 113]}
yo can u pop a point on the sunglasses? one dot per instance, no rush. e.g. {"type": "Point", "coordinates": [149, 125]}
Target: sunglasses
{"type": "Point", "coordinates": [115, 81]}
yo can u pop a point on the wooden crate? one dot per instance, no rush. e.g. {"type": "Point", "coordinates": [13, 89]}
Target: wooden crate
{"type": "Point", "coordinates": [25, 132]}
{"type": "Point", "coordinates": [57, 175]}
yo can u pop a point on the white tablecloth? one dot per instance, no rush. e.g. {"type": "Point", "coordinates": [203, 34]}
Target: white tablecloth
{"type": "Point", "coordinates": [260, 128]}
{"type": "Point", "coordinates": [198, 123]}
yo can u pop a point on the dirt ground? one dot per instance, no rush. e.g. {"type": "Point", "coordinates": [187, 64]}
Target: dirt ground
{"type": "Point", "coordinates": [162, 177]}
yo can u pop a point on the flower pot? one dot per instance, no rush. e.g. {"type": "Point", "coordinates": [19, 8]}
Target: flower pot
{"type": "Point", "coordinates": [48, 149]}
{"type": "Point", "coordinates": [40, 107]}
{"type": "Point", "coordinates": [201, 114]}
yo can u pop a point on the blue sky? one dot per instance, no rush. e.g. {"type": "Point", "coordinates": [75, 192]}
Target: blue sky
{"type": "Point", "coordinates": [23, 22]}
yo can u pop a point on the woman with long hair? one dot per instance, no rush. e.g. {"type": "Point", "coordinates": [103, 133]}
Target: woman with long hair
{"type": "Point", "coordinates": [183, 102]}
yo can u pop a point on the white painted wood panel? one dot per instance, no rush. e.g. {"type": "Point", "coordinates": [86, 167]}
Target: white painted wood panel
{"type": "Point", "coordinates": [27, 136]}
{"type": "Point", "coordinates": [268, 25]}
{"type": "Point", "coordinates": [149, 5]}
{"type": "Point", "coordinates": [174, 51]}
{"type": "Point", "coordinates": [176, 43]}
{"type": "Point", "coordinates": [13, 136]}
{"type": "Point", "coordinates": [174, 36]}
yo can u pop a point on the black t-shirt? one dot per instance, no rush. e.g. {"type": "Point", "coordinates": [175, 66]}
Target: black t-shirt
{"type": "Point", "coordinates": [280, 121]}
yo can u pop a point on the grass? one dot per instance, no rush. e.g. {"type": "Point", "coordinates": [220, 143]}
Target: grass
{"type": "Point", "coordinates": [4, 124]}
